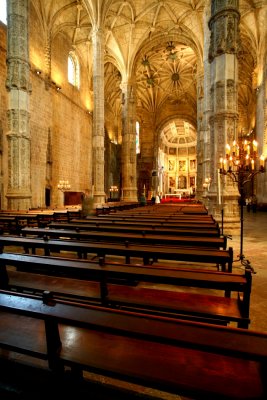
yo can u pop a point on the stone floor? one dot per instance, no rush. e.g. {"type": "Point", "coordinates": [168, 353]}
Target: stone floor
{"type": "Point", "coordinates": [254, 250]}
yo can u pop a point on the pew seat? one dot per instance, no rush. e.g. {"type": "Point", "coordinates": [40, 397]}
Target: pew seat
{"type": "Point", "coordinates": [181, 357]}
{"type": "Point", "coordinates": [222, 298]}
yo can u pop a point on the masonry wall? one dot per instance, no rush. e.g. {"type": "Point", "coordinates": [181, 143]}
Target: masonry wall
{"type": "Point", "coordinates": [3, 108]}
{"type": "Point", "coordinates": [60, 116]}
{"type": "Point", "coordinates": [60, 125]}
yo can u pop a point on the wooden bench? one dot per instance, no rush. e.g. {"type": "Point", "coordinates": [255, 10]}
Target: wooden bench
{"type": "Point", "coordinates": [156, 216]}
{"type": "Point", "coordinates": [9, 224]}
{"type": "Point", "coordinates": [73, 214]}
{"type": "Point", "coordinates": [38, 218]}
{"type": "Point", "coordinates": [153, 221]}
{"type": "Point", "coordinates": [124, 227]}
{"type": "Point", "coordinates": [141, 238]}
{"type": "Point", "coordinates": [151, 213]}
{"type": "Point", "coordinates": [219, 258]}
{"type": "Point", "coordinates": [108, 208]}
{"type": "Point", "coordinates": [174, 209]}
{"type": "Point", "coordinates": [113, 287]}
{"type": "Point", "coordinates": [181, 357]}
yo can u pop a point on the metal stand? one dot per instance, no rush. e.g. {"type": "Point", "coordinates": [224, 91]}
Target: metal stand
{"type": "Point", "coordinates": [241, 177]}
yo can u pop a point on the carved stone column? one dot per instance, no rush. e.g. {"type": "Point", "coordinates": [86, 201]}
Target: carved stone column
{"type": "Point", "coordinates": [98, 117]}
{"type": "Point", "coordinates": [129, 189]}
{"type": "Point", "coordinates": [18, 87]}
{"type": "Point", "coordinates": [204, 106]}
{"type": "Point", "coordinates": [224, 45]}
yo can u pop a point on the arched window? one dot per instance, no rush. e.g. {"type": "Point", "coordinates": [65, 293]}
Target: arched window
{"type": "Point", "coordinates": [73, 70]}
{"type": "Point", "coordinates": [3, 12]}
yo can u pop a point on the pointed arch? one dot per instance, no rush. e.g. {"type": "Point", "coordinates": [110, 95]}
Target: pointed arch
{"type": "Point", "coordinates": [73, 70]}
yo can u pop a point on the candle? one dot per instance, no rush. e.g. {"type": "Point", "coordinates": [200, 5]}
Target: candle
{"type": "Point", "coordinates": [234, 147]}
{"type": "Point", "coordinates": [252, 164]}
{"type": "Point", "coordinates": [221, 162]}
{"type": "Point", "coordinates": [247, 159]}
{"type": "Point", "coordinates": [255, 145]}
{"type": "Point", "coordinates": [262, 160]}
{"type": "Point", "coordinates": [227, 149]}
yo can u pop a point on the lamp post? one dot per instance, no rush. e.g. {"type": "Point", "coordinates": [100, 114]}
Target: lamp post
{"type": "Point", "coordinates": [242, 164]}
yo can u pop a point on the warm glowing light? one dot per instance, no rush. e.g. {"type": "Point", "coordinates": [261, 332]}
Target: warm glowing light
{"type": "Point", "coordinates": [63, 185]}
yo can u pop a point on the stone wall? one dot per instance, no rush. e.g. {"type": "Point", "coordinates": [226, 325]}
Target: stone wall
{"type": "Point", "coordinates": [3, 109]}
{"type": "Point", "coordinates": [60, 125]}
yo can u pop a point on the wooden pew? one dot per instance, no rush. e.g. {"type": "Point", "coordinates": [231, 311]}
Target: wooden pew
{"type": "Point", "coordinates": [112, 289]}
{"type": "Point", "coordinates": [152, 217]}
{"type": "Point", "coordinates": [221, 259]}
{"type": "Point", "coordinates": [73, 214]}
{"type": "Point", "coordinates": [12, 221]}
{"type": "Point", "coordinates": [141, 238]}
{"type": "Point", "coordinates": [108, 208]}
{"type": "Point", "coordinates": [25, 219]}
{"type": "Point", "coordinates": [173, 209]}
{"type": "Point", "coordinates": [9, 224]}
{"type": "Point", "coordinates": [181, 357]}
{"type": "Point", "coordinates": [198, 225]}
{"type": "Point", "coordinates": [149, 216]}
{"type": "Point", "coordinates": [125, 227]}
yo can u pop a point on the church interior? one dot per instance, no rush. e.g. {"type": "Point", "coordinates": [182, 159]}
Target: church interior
{"type": "Point", "coordinates": [150, 114]}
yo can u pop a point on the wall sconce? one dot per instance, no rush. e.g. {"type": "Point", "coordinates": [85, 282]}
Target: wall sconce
{"type": "Point", "coordinates": [113, 190]}
{"type": "Point", "coordinates": [56, 86]}
{"type": "Point", "coordinates": [38, 72]}
{"type": "Point", "coordinates": [63, 185]}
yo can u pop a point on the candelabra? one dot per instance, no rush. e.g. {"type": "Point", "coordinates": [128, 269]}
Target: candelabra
{"type": "Point", "coordinates": [63, 186]}
{"type": "Point", "coordinates": [242, 164]}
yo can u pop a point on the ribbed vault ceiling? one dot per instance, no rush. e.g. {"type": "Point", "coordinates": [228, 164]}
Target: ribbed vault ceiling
{"type": "Point", "coordinates": [160, 42]}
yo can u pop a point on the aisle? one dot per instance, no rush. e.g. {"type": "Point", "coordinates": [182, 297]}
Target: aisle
{"type": "Point", "coordinates": [255, 250]}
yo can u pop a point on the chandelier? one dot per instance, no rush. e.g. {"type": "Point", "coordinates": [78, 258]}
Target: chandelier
{"type": "Point", "coordinates": [241, 164]}
{"type": "Point", "coordinates": [242, 158]}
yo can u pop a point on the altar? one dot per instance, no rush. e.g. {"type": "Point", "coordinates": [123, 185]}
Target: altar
{"type": "Point", "coordinates": [179, 193]}
{"type": "Point", "coordinates": [172, 195]}
{"type": "Point", "coordinates": [183, 192]}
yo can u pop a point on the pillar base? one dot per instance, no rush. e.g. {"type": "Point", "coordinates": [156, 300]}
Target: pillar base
{"type": "Point", "coordinates": [129, 195]}
{"type": "Point", "coordinates": [99, 199]}
{"type": "Point", "coordinates": [226, 214]}
{"type": "Point", "coordinates": [18, 200]}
